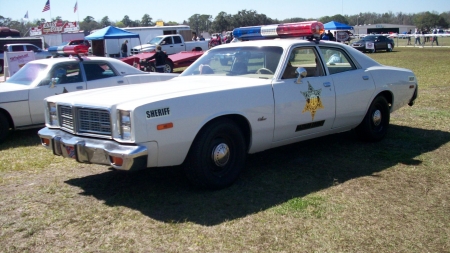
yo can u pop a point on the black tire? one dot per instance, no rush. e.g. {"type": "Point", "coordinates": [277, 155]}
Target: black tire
{"type": "Point", "coordinates": [376, 122]}
{"type": "Point", "coordinates": [168, 68]}
{"type": "Point", "coordinates": [1, 66]}
{"type": "Point", "coordinates": [4, 127]}
{"type": "Point", "coordinates": [217, 155]}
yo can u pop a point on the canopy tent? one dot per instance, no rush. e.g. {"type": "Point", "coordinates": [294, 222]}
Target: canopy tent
{"type": "Point", "coordinates": [333, 25]}
{"type": "Point", "coordinates": [109, 32]}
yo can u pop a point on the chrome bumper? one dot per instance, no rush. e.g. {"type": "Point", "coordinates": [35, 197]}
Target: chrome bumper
{"type": "Point", "coordinates": [96, 151]}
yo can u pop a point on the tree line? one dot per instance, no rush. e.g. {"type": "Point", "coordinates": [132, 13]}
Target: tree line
{"type": "Point", "coordinates": [227, 22]}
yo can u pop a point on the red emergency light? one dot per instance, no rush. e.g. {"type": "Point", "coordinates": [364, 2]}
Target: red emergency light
{"type": "Point", "coordinates": [309, 29]}
{"type": "Point", "coordinates": [69, 50]}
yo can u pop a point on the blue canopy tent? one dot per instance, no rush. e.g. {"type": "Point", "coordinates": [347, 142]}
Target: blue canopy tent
{"type": "Point", "coordinates": [333, 25]}
{"type": "Point", "coordinates": [339, 36]}
{"type": "Point", "coordinates": [99, 38]}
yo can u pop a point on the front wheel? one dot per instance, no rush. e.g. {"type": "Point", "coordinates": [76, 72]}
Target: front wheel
{"type": "Point", "coordinates": [217, 155]}
{"type": "Point", "coordinates": [376, 122]}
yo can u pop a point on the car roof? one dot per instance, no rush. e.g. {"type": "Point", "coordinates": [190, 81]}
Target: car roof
{"type": "Point", "coordinates": [284, 43]}
{"type": "Point", "coordinates": [73, 59]}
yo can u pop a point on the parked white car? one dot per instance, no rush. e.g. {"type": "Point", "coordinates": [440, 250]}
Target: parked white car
{"type": "Point", "coordinates": [267, 94]}
{"type": "Point", "coordinates": [22, 95]}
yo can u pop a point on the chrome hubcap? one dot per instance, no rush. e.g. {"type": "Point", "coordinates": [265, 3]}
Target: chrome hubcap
{"type": "Point", "coordinates": [376, 117]}
{"type": "Point", "coordinates": [221, 154]}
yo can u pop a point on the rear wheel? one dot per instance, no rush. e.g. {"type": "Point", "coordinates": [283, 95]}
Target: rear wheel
{"type": "Point", "coordinates": [168, 68]}
{"type": "Point", "coordinates": [376, 122]}
{"type": "Point", "coordinates": [1, 66]}
{"type": "Point", "coordinates": [4, 127]}
{"type": "Point", "coordinates": [217, 155]}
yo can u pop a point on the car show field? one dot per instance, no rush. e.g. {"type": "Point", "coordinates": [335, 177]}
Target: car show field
{"type": "Point", "coordinates": [332, 194]}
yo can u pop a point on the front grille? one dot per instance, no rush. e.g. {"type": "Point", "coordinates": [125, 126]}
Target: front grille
{"type": "Point", "coordinates": [94, 121]}
{"type": "Point", "coordinates": [85, 120]}
{"type": "Point", "coordinates": [66, 117]}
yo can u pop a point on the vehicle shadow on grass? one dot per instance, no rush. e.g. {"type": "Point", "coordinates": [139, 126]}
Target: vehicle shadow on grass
{"type": "Point", "coordinates": [21, 138]}
{"type": "Point", "coordinates": [271, 177]}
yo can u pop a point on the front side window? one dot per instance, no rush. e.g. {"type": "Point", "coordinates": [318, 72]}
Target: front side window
{"type": "Point", "coordinates": [97, 70]}
{"type": "Point", "coordinates": [336, 60]}
{"type": "Point", "coordinates": [31, 48]}
{"type": "Point", "coordinates": [303, 57]}
{"type": "Point", "coordinates": [66, 73]}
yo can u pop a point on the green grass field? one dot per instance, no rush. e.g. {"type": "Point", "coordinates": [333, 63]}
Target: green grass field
{"type": "Point", "coordinates": [332, 194]}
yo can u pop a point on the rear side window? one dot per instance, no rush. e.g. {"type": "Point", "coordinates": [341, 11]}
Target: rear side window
{"type": "Point", "coordinates": [97, 70]}
{"type": "Point", "coordinates": [16, 48]}
{"type": "Point", "coordinates": [176, 39]}
{"type": "Point", "coordinates": [336, 60]}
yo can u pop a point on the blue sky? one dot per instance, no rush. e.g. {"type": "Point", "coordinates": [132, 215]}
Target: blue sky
{"type": "Point", "coordinates": [179, 10]}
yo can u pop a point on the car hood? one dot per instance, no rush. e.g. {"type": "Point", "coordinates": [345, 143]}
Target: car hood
{"type": "Point", "coordinates": [139, 94]}
{"type": "Point", "coordinates": [145, 46]}
{"type": "Point", "coordinates": [363, 41]}
{"type": "Point", "coordinates": [10, 92]}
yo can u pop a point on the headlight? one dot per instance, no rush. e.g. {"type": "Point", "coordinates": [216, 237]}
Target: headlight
{"type": "Point", "coordinates": [52, 119]}
{"type": "Point", "coordinates": [125, 125]}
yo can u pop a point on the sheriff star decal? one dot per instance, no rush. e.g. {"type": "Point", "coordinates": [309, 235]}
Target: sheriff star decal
{"type": "Point", "coordinates": [313, 102]}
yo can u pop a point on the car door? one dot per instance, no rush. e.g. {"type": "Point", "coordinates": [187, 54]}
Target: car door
{"type": "Point", "coordinates": [178, 44]}
{"type": "Point", "coordinates": [62, 78]}
{"type": "Point", "coordinates": [307, 107]}
{"type": "Point", "coordinates": [99, 74]}
{"type": "Point", "coordinates": [354, 87]}
{"type": "Point", "coordinates": [167, 45]}
{"type": "Point", "coordinates": [381, 43]}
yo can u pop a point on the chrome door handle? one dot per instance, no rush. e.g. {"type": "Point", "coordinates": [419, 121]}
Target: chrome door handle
{"type": "Point", "coordinates": [79, 87]}
{"type": "Point", "coordinates": [120, 81]}
{"type": "Point", "coordinates": [327, 84]}
{"type": "Point", "coordinates": [365, 77]}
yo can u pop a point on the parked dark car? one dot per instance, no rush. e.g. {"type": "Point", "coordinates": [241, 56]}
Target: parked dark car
{"type": "Point", "coordinates": [380, 42]}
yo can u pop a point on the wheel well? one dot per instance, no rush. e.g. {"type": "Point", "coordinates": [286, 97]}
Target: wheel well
{"type": "Point", "coordinates": [388, 96]}
{"type": "Point", "coordinates": [240, 121]}
{"type": "Point", "coordinates": [8, 117]}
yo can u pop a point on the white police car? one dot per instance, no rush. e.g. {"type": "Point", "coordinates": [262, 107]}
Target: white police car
{"type": "Point", "coordinates": [268, 93]}
{"type": "Point", "coordinates": [22, 95]}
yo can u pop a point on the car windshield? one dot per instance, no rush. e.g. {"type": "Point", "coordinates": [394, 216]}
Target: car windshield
{"type": "Point", "coordinates": [28, 74]}
{"type": "Point", "coordinates": [155, 40]}
{"type": "Point", "coordinates": [252, 62]}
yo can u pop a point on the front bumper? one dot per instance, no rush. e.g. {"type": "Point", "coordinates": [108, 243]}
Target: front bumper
{"type": "Point", "coordinates": [96, 151]}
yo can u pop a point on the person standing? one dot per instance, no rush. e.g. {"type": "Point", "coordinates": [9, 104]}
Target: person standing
{"type": "Point", "coordinates": [435, 38]}
{"type": "Point", "coordinates": [124, 49]}
{"type": "Point", "coordinates": [160, 59]}
{"type": "Point", "coordinates": [409, 36]}
{"type": "Point", "coordinates": [417, 35]}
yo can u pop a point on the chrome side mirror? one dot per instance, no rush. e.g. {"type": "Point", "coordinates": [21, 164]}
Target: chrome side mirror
{"type": "Point", "coordinates": [301, 73]}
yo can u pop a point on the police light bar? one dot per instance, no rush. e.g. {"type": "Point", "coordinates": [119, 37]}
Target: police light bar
{"type": "Point", "coordinates": [68, 50]}
{"type": "Point", "coordinates": [310, 29]}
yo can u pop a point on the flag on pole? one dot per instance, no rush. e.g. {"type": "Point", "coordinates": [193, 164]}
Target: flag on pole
{"type": "Point", "coordinates": [47, 6]}
{"type": "Point", "coordinates": [76, 7]}
{"type": "Point", "coordinates": [26, 16]}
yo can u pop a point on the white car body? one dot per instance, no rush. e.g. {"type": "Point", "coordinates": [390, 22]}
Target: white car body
{"type": "Point", "coordinates": [22, 95]}
{"type": "Point", "coordinates": [211, 114]}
